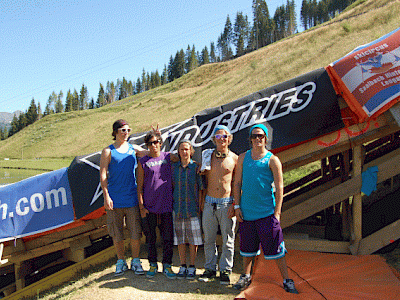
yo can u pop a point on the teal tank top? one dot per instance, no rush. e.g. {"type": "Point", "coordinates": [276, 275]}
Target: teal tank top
{"type": "Point", "coordinates": [258, 199]}
{"type": "Point", "coordinates": [122, 185]}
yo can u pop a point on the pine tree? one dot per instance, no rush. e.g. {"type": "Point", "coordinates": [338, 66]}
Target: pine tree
{"type": "Point", "coordinates": [59, 107]}
{"type": "Point", "coordinates": [31, 114]}
{"type": "Point", "coordinates": [213, 56]}
{"type": "Point", "coordinates": [291, 22]}
{"type": "Point", "coordinates": [138, 86]}
{"type": "Point", "coordinates": [14, 126]}
{"type": "Point", "coordinates": [75, 100]}
{"type": "Point", "coordinates": [164, 76]}
{"type": "Point", "coordinates": [4, 133]}
{"type": "Point", "coordinates": [101, 99]}
{"type": "Point", "coordinates": [144, 81]}
{"type": "Point", "coordinates": [205, 57]}
{"type": "Point", "coordinates": [83, 98]}
{"type": "Point", "coordinates": [39, 111]}
{"type": "Point", "coordinates": [225, 40]}
{"type": "Point", "coordinates": [187, 59]}
{"type": "Point", "coordinates": [49, 109]}
{"type": "Point", "coordinates": [157, 79]}
{"type": "Point", "coordinates": [91, 104]}
{"type": "Point", "coordinates": [110, 92]}
{"type": "Point", "coordinates": [171, 71]}
{"type": "Point", "coordinates": [263, 25]}
{"type": "Point", "coordinates": [241, 33]}
{"type": "Point", "coordinates": [305, 14]}
{"type": "Point", "coordinates": [22, 122]}
{"type": "Point", "coordinates": [68, 102]}
{"type": "Point", "coordinates": [193, 61]}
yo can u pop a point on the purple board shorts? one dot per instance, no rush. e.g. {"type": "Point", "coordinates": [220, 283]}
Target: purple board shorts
{"type": "Point", "coordinates": [267, 232]}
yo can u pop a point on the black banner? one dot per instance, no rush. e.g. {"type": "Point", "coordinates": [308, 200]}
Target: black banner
{"type": "Point", "coordinates": [294, 111]}
{"type": "Point", "coordinates": [84, 181]}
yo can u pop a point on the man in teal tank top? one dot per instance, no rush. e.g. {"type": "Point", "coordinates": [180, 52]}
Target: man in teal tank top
{"type": "Point", "coordinates": [258, 207]}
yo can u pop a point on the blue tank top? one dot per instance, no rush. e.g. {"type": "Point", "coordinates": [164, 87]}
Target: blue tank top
{"type": "Point", "coordinates": [122, 185]}
{"type": "Point", "coordinates": [258, 199]}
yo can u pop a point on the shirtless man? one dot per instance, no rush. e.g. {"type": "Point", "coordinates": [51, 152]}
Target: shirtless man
{"type": "Point", "coordinates": [217, 207]}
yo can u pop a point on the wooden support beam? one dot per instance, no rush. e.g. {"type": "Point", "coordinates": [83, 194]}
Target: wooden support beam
{"type": "Point", "coordinates": [336, 194]}
{"type": "Point", "coordinates": [379, 239]}
{"type": "Point", "coordinates": [317, 245]}
{"type": "Point", "coordinates": [76, 250]}
{"type": "Point", "coordinates": [9, 289]}
{"type": "Point", "coordinates": [313, 150]}
{"type": "Point", "coordinates": [19, 275]}
{"type": "Point", "coordinates": [75, 256]}
{"type": "Point", "coordinates": [357, 201]}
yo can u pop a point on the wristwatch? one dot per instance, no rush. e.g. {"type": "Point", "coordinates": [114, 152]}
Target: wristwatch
{"type": "Point", "coordinates": [236, 206]}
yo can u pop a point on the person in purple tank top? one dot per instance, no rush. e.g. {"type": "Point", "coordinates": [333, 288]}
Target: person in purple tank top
{"type": "Point", "coordinates": [117, 178]}
{"type": "Point", "coordinates": [156, 202]}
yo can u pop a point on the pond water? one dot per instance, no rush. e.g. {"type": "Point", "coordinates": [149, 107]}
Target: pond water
{"type": "Point", "coordinates": [14, 175]}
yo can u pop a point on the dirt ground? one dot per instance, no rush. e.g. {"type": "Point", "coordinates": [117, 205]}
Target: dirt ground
{"type": "Point", "coordinates": [101, 284]}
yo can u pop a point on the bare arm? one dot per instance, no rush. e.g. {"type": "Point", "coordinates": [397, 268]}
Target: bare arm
{"type": "Point", "coordinates": [237, 188]}
{"type": "Point", "coordinates": [140, 179]}
{"type": "Point", "coordinates": [140, 152]}
{"type": "Point", "coordinates": [276, 168]}
{"type": "Point", "coordinates": [104, 162]}
{"type": "Point", "coordinates": [231, 211]}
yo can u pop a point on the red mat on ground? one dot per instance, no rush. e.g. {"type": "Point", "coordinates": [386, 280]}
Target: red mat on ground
{"type": "Point", "coordinates": [325, 276]}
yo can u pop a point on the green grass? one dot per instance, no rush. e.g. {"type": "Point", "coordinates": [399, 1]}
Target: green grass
{"type": "Point", "coordinates": [45, 164]}
{"type": "Point", "coordinates": [66, 135]}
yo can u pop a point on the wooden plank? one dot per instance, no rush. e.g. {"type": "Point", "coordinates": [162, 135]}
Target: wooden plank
{"type": "Point", "coordinates": [9, 289]}
{"type": "Point", "coordinates": [56, 236]}
{"type": "Point", "coordinates": [357, 199]}
{"type": "Point", "coordinates": [317, 245]}
{"type": "Point", "coordinates": [310, 194]}
{"type": "Point", "coordinates": [312, 151]}
{"type": "Point", "coordinates": [64, 275]}
{"type": "Point", "coordinates": [335, 195]}
{"type": "Point", "coordinates": [80, 243]}
{"type": "Point", "coordinates": [379, 239]}
{"type": "Point", "coordinates": [395, 111]}
{"type": "Point", "coordinates": [75, 256]}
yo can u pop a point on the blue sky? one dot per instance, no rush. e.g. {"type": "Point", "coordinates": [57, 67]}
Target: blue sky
{"type": "Point", "coordinates": [53, 45]}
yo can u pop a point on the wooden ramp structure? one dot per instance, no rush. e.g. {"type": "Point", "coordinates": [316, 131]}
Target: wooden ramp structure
{"type": "Point", "coordinates": [324, 211]}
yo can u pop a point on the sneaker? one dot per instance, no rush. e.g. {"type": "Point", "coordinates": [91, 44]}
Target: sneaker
{"type": "Point", "coordinates": [120, 267]}
{"type": "Point", "coordinates": [224, 277]}
{"type": "Point", "coordinates": [152, 270]}
{"type": "Point", "coordinates": [191, 273]}
{"type": "Point", "coordinates": [288, 285]}
{"type": "Point", "coordinates": [167, 271]}
{"type": "Point", "coordinates": [182, 273]}
{"type": "Point", "coordinates": [136, 266]}
{"type": "Point", "coordinates": [243, 282]}
{"type": "Point", "coordinates": [208, 275]}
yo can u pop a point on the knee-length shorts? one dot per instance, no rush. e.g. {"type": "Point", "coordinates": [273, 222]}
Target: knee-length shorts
{"type": "Point", "coordinates": [266, 232]}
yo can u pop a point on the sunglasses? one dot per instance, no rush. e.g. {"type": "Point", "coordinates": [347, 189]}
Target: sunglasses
{"type": "Point", "coordinates": [221, 136]}
{"type": "Point", "coordinates": [257, 135]}
{"type": "Point", "coordinates": [152, 143]}
{"type": "Point", "coordinates": [123, 130]}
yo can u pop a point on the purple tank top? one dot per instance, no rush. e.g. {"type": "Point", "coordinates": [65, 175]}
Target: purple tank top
{"type": "Point", "coordinates": [157, 183]}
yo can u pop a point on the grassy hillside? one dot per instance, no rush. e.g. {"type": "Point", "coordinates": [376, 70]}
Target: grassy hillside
{"type": "Point", "coordinates": [77, 133]}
